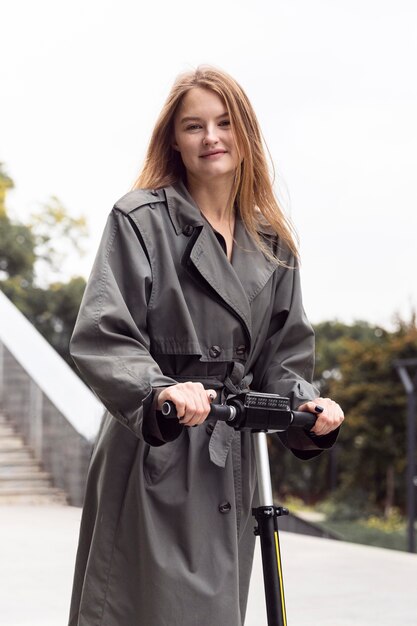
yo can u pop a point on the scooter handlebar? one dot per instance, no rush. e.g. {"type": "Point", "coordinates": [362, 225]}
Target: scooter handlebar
{"type": "Point", "coordinates": [230, 413]}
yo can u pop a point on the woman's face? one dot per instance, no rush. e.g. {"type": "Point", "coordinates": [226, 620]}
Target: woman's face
{"type": "Point", "coordinates": [203, 136]}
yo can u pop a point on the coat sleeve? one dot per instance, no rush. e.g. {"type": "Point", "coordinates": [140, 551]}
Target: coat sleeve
{"type": "Point", "coordinates": [110, 343]}
{"type": "Point", "coordinates": [286, 363]}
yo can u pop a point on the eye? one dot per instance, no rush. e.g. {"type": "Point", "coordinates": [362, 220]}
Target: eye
{"type": "Point", "coordinates": [192, 127]}
{"type": "Point", "coordinates": [225, 123]}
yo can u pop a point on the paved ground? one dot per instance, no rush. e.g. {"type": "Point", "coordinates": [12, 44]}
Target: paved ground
{"type": "Point", "coordinates": [327, 583]}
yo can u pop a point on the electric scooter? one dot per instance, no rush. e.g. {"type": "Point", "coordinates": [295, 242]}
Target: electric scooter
{"type": "Point", "coordinates": [262, 413]}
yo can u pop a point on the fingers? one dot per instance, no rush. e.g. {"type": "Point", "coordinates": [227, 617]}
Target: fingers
{"type": "Point", "coordinates": [197, 404]}
{"type": "Point", "coordinates": [329, 415]}
{"type": "Point", "coordinates": [211, 394]}
{"type": "Point", "coordinates": [313, 406]}
{"type": "Point", "coordinates": [191, 400]}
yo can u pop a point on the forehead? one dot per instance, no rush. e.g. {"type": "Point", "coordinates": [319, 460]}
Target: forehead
{"type": "Point", "coordinates": [199, 102]}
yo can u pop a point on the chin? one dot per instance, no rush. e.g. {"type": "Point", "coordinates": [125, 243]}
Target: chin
{"type": "Point", "coordinates": [217, 171]}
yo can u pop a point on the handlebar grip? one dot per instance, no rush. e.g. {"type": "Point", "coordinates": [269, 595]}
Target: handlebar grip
{"type": "Point", "coordinates": [221, 412]}
{"type": "Point", "coordinates": [169, 409]}
{"type": "Point", "coordinates": [303, 419]}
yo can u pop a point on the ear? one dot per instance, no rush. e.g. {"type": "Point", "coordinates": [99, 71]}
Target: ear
{"type": "Point", "coordinates": [174, 143]}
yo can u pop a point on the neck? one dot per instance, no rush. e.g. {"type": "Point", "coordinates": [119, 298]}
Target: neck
{"type": "Point", "coordinates": [212, 198]}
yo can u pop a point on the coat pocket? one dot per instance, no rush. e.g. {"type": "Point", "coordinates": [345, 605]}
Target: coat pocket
{"type": "Point", "coordinates": [160, 461]}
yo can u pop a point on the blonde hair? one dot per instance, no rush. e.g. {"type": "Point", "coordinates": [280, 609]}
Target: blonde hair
{"type": "Point", "coordinates": [252, 189]}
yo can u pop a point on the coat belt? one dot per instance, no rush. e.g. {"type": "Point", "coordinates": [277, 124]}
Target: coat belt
{"type": "Point", "coordinates": [223, 435]}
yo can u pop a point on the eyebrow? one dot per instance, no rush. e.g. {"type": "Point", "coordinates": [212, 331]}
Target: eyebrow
{"type": "Point", "coordinates": [193, 118]}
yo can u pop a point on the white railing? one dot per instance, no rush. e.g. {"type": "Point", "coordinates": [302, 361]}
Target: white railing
{"type": "Point", "coordinates": [48, 370]}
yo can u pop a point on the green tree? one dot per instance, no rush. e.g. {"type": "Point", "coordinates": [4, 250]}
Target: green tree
{"type": "Point", "coordinates": [372, 447]}
{"type": "Point", "coordinates": [331, 339]}
{"type": "Point", "coordinates": [17, 249]}
{"type": "Point", "coordinates": [17, 244]}
{"type": "Point", "coordinates": [355, 367]}
{"type": "Point", "coordinates": [5, 184]}
{"type": "Point", "coordinates": [58, 236]}
{"type": "Point", "coordinates": [31, 256]}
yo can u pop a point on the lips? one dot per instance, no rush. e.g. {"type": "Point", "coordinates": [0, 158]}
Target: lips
{"type": "Point", "coordinates": [212, 153]}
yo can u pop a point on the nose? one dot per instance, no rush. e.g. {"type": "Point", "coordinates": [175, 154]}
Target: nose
{"type": "Point", "coordinates": [210, 136]}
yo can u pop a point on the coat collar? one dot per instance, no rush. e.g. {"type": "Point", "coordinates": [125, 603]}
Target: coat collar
{"type": "Point", "coordinates": [182, 209]}
{"type": "Point", "coordinates": [237, 282]}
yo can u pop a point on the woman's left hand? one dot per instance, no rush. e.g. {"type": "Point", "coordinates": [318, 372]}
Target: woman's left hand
{"type": "Point", "coordinates": [328, 419]}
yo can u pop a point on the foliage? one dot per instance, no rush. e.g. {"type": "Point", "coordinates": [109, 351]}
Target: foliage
{"type": "Point", "coordinates": [5, 184]}
{"type": "Point", "coordinates": [57, 237]}
{"type": "Point", "coordinates": [359, 531]}
{"type": "Point", "coordinates": [372, 447]}
{"type": "Point", "coordinates": [331, 339]}
{"type": "Point", "coordinates": [17, 250]}
{"type": "Point", "coordinates": [392, 523]}
{"type": "Point", "coordinates": [365, 471]}
{"type": "Point", "coordinates": [348, 505]}
{"type": "Point", "coordinates": [30, 256]}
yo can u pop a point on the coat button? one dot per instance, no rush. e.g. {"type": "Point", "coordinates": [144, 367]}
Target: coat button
{"type": "Point", "coordinates": [225, 507]}
{"type": "Point", "coordinates": [188, 230]}
{"type": "Point", "coordinates": [241, 350]}
{"type": "Point", "coordinates": [215, 351]}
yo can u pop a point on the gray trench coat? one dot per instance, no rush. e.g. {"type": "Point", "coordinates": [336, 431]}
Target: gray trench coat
{"type": "Point", "coordinates": [166, 535]}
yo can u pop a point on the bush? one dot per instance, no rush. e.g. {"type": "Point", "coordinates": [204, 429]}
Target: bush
{"type": "Point", "coordinates": [342, 506]}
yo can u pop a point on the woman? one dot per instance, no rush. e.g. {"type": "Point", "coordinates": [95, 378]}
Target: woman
{"type": "Point", "coordinates": [194, 294]}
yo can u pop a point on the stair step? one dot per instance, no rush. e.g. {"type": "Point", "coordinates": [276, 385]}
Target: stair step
{"type": "Point", "coordinates": [27, 490]}
{"type": "Point", "coordinates": [11, 442]}
{"type": "Point", "coordinates": [19, 461]}
{"type": "Point", "coordinates": [26, 486]}
{"type": "Point", "coordinates": [15, 457]}
{"type": "Point", "coordinates": [6, 422]}
{"type": "Point", "coordinates": [24, 477]}
{"type": "Point", "coordinates": [6, 448]}
{"type": "Point", "coordinates": [22, 472]}
{"type": "Point", "coordinates": [6, 431]}
{"type": "Point", "coordinates": [32, 498]}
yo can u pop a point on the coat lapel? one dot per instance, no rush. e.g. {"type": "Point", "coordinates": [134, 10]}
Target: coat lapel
{"type": "Point", "coordinates": [236, 283]}
{"type": "Point", "coordinates": [252, 267]}
{"type": "Point", "coordinates": [210, 261]}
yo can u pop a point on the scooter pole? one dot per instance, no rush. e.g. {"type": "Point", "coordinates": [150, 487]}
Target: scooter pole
{"type": "Point", "coordinates": [266, 515]}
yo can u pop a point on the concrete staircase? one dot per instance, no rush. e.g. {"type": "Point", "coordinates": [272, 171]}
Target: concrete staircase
{"type": "Point", "coordinates": [22, 480]}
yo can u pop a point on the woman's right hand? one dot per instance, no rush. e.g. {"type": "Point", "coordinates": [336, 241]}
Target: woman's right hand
{"type": "Point", "coordinates": [191, 400]}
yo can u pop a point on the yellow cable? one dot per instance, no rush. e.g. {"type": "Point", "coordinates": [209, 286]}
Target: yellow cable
{"type": "Point", "coordinates": [284, 616]}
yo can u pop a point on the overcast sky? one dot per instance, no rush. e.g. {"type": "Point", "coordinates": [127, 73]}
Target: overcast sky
{"type": "Point", "coordinates": [333, 83]}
